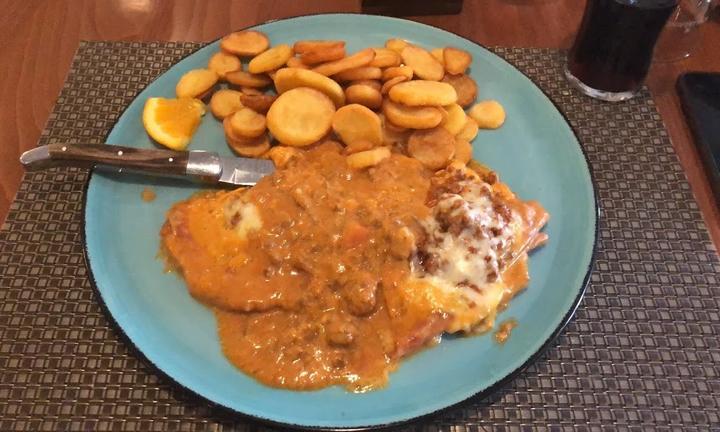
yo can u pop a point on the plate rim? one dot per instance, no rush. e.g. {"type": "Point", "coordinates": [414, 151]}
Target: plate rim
{"type": "Point", "coordinates": [224, 410]}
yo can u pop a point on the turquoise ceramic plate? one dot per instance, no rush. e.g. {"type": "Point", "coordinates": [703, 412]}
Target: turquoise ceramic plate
{"type": "Point", "coordinates": [535, 152]}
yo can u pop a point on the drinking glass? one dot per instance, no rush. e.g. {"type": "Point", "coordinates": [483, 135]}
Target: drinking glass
{"type": "Point", "coordinates": [681, 34]}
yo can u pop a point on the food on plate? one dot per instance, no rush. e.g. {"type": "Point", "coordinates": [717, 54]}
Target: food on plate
{"type": "Point", "coordinates": [271, 59]}
{"type": "Point", "coordinates": [457, 61]}
{"type": "Point", "coordinates": [252, 91]}
{"type": "Point", "coordinates": [247, 123]}
{"type": "Point", "coordinates": [434, 147]}
{"type": "Point", "coordinates": [469, 130]}
{"type": "Point", "coordinates": [359, 146]}
{"type": "Point", "coordinates": [196, 83]}
{"type": "Point", "coordinates": [282, 155]}
{"type": "Point", "coordinates": [356, 122]}
{"type": "Point", "coordinates": [423, 93]}
{"type": "Point", "coordinates": [463, 150]}
{"type": "Point", "coordinates": [258, 102]}
{"type": "Point", "coordinates": [300, 117]}
{"type": "Point", "coordinates": [295, 62]}
{"type": "Point", "coordinates": [377, 85]}
{"type": "Point", "coordinates": [389, 84]}
{"type": "Point", "coordinates": [396, 45]}
{"type": "Point", "coordinates": [242, 145]}
{"type": "Point", "coordinates": [364, 95]}
{"type": "Point", "coordinates": [439, 55]}
{"type": "Point", "coordinates": [221, 63]}
{"type": "Point", "coordinates": [396, 71]}
{"type": "Point", "coordinates": [225, 102]}
{"type": "Point", "coordinates": [247, 43]}
{"type": "Point", "coordinates": [455, 120]}
{"type": "Point", "coordinates": [385, 57]}
{"type": "Point", "coordinates": [290, 78]}
{"type": "Point", "coordinates": [423, 64]}
{"type": "Point", "coordinates": [360, 58]}
{"type": "Point", "coordinates": [336, 267]}
{"type": "Point", "coordinates": [359, 73]}
{"type": "Point", "coordinates": [247, 79]}
{"type": "Point", "coordinates": [303, 46]}
{"type": "Point", "coordinates": [411, 117]}
{"type": "Point", "coordinates": [172, 122]}
{"type": "Point", "coordinates": [322, 55]}
{"type": "Point", "coordinates": [488, 114]}
{"type": "Point", "coordinates": [465, 88]}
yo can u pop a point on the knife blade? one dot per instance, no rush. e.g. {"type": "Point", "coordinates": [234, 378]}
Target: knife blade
{"type": "Point", "coordinates": [207, 167]}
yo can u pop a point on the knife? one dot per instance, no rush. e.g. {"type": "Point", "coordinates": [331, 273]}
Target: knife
{"type": "Point", "coordinates": [207, 167]}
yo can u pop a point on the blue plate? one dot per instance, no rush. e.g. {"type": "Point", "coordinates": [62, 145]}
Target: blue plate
{"type": "Point", "coordinates": [535, 152]}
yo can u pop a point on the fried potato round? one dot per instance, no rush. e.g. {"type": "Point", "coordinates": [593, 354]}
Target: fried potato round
{"type": "Point", "coordinates": [245, 43]}
{"type": "Point", "coordinates": [295, 62]}
{"type": "Point", "coordinates": [259, 103]}
{"type": "Point", "coordinates": [439, 55]}
{"type": "Point", "coordinates": [361, 73]}
{"type": "Point", "coordinates": [246, 79]}
{"type": "Point", "coordinates": [290, 78]}
{"type": "Point", "coordinates": [360, 58]}
{"type": "Point", "coordinates": [251, 91]}
{"type": "Point", "coordinates": [396, 45]}
{"type": "Point", "coordinates": [465, 88]}
{"type": "Point", "coordinates": [322, 55]}
{"type": "Point", "coordinates": [385, 57]}
{"type": "Point", "coordinates": [271, 59]}
{"type": "Point", "coordinates": [469, 130]}
{"type": "Point", "coordinates": [368, 158]}
{"type": "Point", "coordinates": [247, 123]}
{"type": "Point", "coordinates": [282, 155]}
{"type": "Point", "coordinates": [358, 146]}
{"type": "Point", "coordinates": [396, 71]}
{"type": "Point", "coordinates": [456, 60]}
{"type": "Point", "coordinates": [221, 63]}
{"type": "Point", "coordinates": [377, 85]}
{"type": "Point", "coordinates": [411, 117]}
{"type": "Point", "coordinates": [455, 120]}
{"type": "Point", "coordinates": [394, 135]}
{"type": "Point", "coordinates": [488, 114]}
{"type": "Point", "coordinates": [364, 95]}
{"type": "Point", "coordinates": [434, 148]}
{"type": "Point", "coordinates": [422, 63]}
{"type": "Point", "coordinates": [463, 150]}
{"type": "Point", "coordinates": [196, 83]}
{"type": "Point", "coordinates": [249, 147]}
{"type": "Point", "coordinates": [300, 116]}
{"type": "Point", "coordinates": [356, 122]}
{"type": "Point", "coordinates": [303, 46]}
{"type": "Point", "coordinates": [225, 102]}
{"type": "Point", "coordinates": [423, 93]}
{"type": "Point", "coordinates": [389, 84]}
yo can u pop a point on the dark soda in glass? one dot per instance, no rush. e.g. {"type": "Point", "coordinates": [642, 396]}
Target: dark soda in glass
{"type": "Point", "coordinates": [614, 46]}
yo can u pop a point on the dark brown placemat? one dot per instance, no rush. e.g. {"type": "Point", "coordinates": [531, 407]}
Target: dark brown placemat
{"type": "Point", "coordinates": [642, 352]}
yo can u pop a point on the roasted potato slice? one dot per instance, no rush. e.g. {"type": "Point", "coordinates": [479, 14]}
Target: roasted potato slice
{"type": "Point", "coordinates": [360, 73]}
{"type": "Point", "coordinates": [456, 60]}
{"type": "Point", "coordinates": [422, 63]}
{"type": "Point", "coordinates": [282, 155]}
{"type": "Point", "coordinates": [356, 122]}
{"type": "Point", "coordinates": [247, 123]}
{"type": "Point", "coordinates": [396, 45]}
{"type": "Point", "coordinates": [411, 117]}
{"type": "Point", "coordinates": [465, 88]}
{"type": "Point", "coordinates": [248, 147]}
{"type": "Point", "coordinates": [396, 71]}
{"type": "Point", "coordinates": [368, 158]}
{"type": "Point", "coordinates": [295, 62]}
{"type": "Point", "coordinates": [196, 83]}
{"type": "Point", "coordinates": [246, 43]}
{"type": "Point", "coordinates": [455, 120]}
{"type": "Point", "coordinates": [469, 130]}
{"type": "Point", "coordinates": [252, 91]}
{"type": "Point", "coordinates": [463, 150]}
{"type": "Point", "coordinates": [364, 95]}
{"type": "Point", "coordinates": [259, 103]}
{"type": "Point", "coordinates": [225, 102]}
{"type": "Point", "coordinates": [360, 58]}
{"type": "Point", "coordinates": [389, 84]}
{"type": "Point", "coordinates": [271, 59]}
{"type": "Point", "coordinates": [394, 135]}
{"type": "Point", "coordinates": [488, 114]}
{"type": "Point", "coordinates": [358, 146]}
{"type": "Point", "coordinates": [423, 93]}
{"type": "Point", "coordinates": [385, 57]}
{"type": "Point", "coordinates": [377, 85]}
{"type": "Point", "coordinates": [439, 55]}
{"type": "Point", "coordinates": [434, 148]}
{"type": "Point", "coordinates": [246, 79]}
{"type": "Point", "coordinates": [221, 63]}
{"type": "Point", "coordinates": [323, 55]}
{"type": "Point", "coordinates": [290, 78]}
{"type": "Point", "coordinates": [303, 46]}
{"type": "Point", "coordinates": [300, 116]}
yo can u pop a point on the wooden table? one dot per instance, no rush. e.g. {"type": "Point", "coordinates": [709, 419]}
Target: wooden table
{"type": "Point", "coordinates": [38, 39]}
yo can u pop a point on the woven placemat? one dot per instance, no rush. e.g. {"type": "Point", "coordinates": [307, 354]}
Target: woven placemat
{"type": "Point", "coordinates": [642, 352]}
